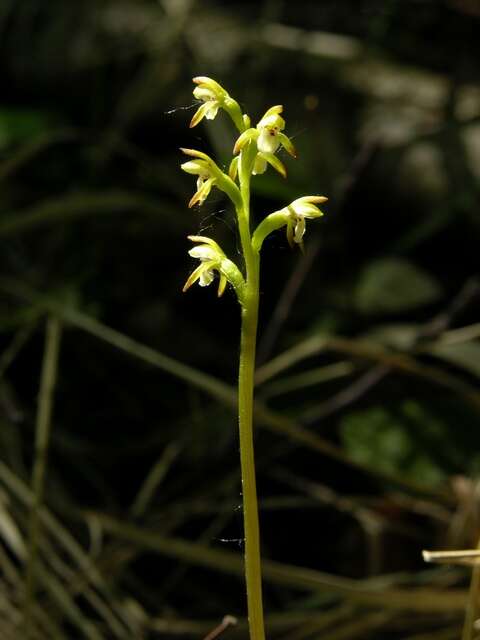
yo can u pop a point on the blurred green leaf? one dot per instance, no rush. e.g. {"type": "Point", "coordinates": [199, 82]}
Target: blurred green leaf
{"type": "Point", "coordinates": [398, 336]}
{"type": "Point", "coordinates": [18, 125]}
{"type": "Point", "coordinates": [376, 438]}
{"type": "Point", "coordinates": [393, 285]}
{"type": "Point", "coordinates": [465, 355]}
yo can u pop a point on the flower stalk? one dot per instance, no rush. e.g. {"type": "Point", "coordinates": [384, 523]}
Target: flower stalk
{"type": "Point", "coordinates": [254, 150]}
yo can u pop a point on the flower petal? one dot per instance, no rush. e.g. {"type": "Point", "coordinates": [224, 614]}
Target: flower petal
{"type": "Point", "coordinates": [203, 252]}
{"type": "Point", "coordinates": [196, 154]}
{"type": "Point", "coordinates": [307, 210]}
{"type": "Point", "coordinates": [287, 144]}
{"type": "Point", "coordinates": [221, 285]}
{"type": "Point", "coordinates": [290, 233]}
{"type": "Point", "coordinates": [299, 229]}
{"type": "Point", "coordinates": [206, 277]}
{"type": "Point", "coordinates": [212, 112]}
{"type": "Point", "coordinates": [274, 162]}
{"type": "Point", "coordinates": [259, 166]}
{"type": "Point", "coordinates": [204, 94]}
{"type": "Point", "coordinates": [245, 137]}
{"type": "Point", "coordinates": [273, 111]}
{"type": "Point", "coordinates": [202, 193]}
{"type": "Point", "coordinates": [312, 199]}
{"type": "Point", "coordinates": [204, 111]}
{"type": "Point", "coordinates": [194, 167]}
{"type": "Point", "coordinates": [206, 240]}
{"type": "Point", "coordinates": [233, 169]}
{"type": "Point", "coordinates": [208, 83]}
{"type": "Point", "coordinates": [193, 277]}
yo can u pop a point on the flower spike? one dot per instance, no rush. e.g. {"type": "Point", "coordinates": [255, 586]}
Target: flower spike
{"type": "Point", "coordinates": [255, 148]}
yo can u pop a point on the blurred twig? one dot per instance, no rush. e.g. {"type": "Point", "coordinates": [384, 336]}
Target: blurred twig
{"type": "Point", "coordinates": [369, 351]}
{"type": "Point", "coordinates": [347, 396]}
{"type": "Point", "coordinates": [33, 148]}
{"type": "Point", "coordinates": [76, 205]}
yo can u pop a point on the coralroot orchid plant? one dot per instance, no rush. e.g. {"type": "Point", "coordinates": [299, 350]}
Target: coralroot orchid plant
{"type": "Point", "coordinates": [254, 150]}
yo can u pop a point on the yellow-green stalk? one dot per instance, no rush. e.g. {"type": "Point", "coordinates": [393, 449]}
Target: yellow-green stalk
{"type": "Point", "coordinates": [254, 150]}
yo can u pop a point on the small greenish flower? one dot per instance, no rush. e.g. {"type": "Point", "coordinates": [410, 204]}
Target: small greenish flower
{"type": "Point", "coordinates": [205, 181]}
{"type": "Point", "coordinates": [270, 128]}
{"type": "Point", "coordinates": [297, 212]}
{"type": "Point", "coordinates": [268, 136]}
{"type": "Point", "coordinates": [210, 256]}
{"type": "Point", "coordinates": [213, 259]}
{"type": "Point", "coordinates": [209, 175]}
{"type": "Point", "coordinates": [292, 217]}
{"type": "Point", "coordinates": [211, 94]}
{"type": "Point", "coordinates": [214, 97]}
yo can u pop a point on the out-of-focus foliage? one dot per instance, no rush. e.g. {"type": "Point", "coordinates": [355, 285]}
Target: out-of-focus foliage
{"type": "Point", "coordinates": [368, 379]}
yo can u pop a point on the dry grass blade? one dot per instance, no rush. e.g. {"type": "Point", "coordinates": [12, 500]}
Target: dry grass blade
{"type": "Point", "coordinates": [222, 392]}
{"type": "Point", "coordinates": [65, 543]}
{"type": "Point", "coordinates": [42, 437]}
{"type": "Point", "coordinates": [363, 624]}
{"type": "Point", "coordinates": [275, 623]}
{"type": "Point", "coordinates": [154, 479]}
{"type": "Point", "coordinates": [463, 557]}
{"type": "Point", "coordinates": [412, 599]}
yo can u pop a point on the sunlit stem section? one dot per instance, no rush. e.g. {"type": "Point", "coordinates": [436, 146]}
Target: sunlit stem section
{"type": "Point", "coordinates": [42, 437]}
{"type": "Point", "coordinates": [253, 572]}
{"type": "Point", "coordinates": [471, 609]}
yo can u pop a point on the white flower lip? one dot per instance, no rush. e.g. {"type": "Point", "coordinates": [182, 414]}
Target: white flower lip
{"type": "Point", "coordinates": [269, 127]}
{"type": "Point", "coordinates": [268, 141]}
{"type": "Point", "coordinates": [206, 277]}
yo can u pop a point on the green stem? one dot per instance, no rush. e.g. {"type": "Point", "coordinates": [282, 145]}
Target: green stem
{"type": "Point", "coordinates": [42, 437]}
{"type": "Point", "coordinates": [248, 339]}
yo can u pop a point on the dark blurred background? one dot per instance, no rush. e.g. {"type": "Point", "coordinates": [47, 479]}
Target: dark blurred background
{"type": "Point", "coordinates": [368, 444]}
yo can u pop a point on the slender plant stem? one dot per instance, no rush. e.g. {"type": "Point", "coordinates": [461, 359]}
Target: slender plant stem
{"type": "Point", "coordinates": [42, 437]}
{"type": "Point", "coordinates": [253, 573]}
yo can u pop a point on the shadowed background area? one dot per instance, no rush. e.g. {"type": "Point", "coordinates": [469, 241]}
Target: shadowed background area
{"type": "Point", "coordinates": [367, 441]}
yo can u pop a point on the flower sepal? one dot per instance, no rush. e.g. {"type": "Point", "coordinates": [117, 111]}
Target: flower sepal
{"type": "Point", "coordinates": [244, 138]}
